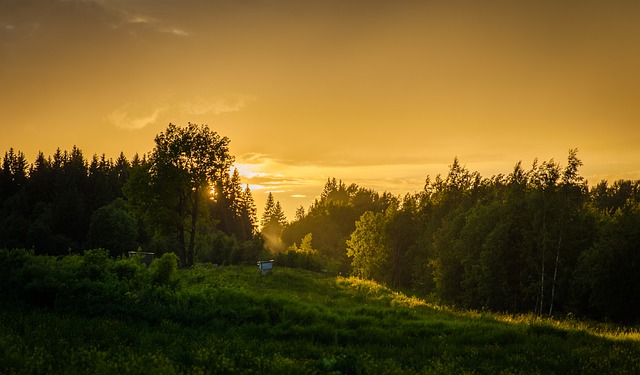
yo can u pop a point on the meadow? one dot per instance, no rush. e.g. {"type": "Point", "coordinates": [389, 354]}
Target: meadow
{"type": "Point", "coordinates": [94, 314]}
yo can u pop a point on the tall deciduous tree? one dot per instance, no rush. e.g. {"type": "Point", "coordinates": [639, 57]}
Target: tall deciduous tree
{"type": "Point", "coordinates": [185, 164]}
{"type": "Point", "coordinates": [368, 246]}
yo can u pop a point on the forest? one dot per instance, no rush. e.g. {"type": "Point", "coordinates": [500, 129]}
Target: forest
{"type": "Point", "coordinates": [536, 239]}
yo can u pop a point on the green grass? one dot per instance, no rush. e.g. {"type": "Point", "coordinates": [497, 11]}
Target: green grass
{"type": "Point", "coordinates": [232, 320]}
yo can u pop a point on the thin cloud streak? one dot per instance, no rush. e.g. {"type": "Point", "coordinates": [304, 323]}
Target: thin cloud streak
{"type": "Point", "coordinates": [140, 19]}
{"type": "Point", "coordinates": [122, 118]}
{"type": "Point", "coordinates": [215, 106]}
{"type": "Point", "coordinates": [175, 31]}
{"type": "Point", "coordinates": [131, 116]}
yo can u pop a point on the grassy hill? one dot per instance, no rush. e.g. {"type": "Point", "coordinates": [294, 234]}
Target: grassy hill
{"type": "Point", "coordinates": [229, 320]}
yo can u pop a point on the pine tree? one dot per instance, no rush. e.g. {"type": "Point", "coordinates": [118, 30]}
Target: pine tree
{"type": "Point", "coordinates": [234, 207]}
{"type": "Point", "coordinates": [14, 173]}
{"type": "Point", "coordinates": [278, 215]}
{"type": "Point", "coordinates": [249, 212]}
{"type": "Point", "coordinates": [273, 222]}
{"type": "Point", "coordinates": [300, 213]}
{"type": "Point", "coordinates": [268, 210]}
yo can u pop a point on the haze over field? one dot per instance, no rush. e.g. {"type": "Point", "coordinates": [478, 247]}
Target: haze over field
{"type": "Point", "coordinates": [378, 93]}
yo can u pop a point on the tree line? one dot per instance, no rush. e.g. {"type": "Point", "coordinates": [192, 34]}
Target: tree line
{"type": "Point", "coordinates": [180, 198]}
{"type": "Point", "coordinates": [537, 240]}
{"type": "Point", "coordinates": [534, 240]}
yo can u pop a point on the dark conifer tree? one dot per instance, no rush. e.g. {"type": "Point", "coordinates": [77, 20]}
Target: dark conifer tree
{"type": "Point", "coordinates": [273, 222]}
{"type": "Point", "coordinates": [248, 214]}
{"type": "Point", "coordinates": [13, 202]}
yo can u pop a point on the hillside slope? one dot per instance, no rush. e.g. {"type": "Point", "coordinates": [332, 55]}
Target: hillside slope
{"type": "Point", "coordinates": [232, 320]}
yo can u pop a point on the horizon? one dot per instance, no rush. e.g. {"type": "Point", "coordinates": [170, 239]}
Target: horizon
{"type": "Point", "coordinates": [314, 188]}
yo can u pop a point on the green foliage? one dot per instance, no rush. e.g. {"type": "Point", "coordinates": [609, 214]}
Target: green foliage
{"type": "Point", "coordinates": [332, 218]}
{"type": "Point", "coordinates": [304, 256]}
{"type": "Point", "coordinates": [606, 278]}
{"type": "Point", "coordinates": [217, 248]}
{"type": "Point", "coordinates": [95, 264]}
{"type": "Point", "coordinates": [536, 240]}
{"type": "Point", "coordinates": [185, 164]}
{"type": "Point", "coordinates": [234, 208]}
{"type": "Point", "coordinates": [232, 320]}
{"type": "Point", "coordinates": [505, 243]}
{"type": "Point", "coordinates": [128, 269]}
{"type": "Point", "coordinates": [113, 228]}
{"type": "Point", "coordinates": [368, 246]}
{"type": "Point", "coordinates": [64, 203]}
{"type": "Point", "coordinates": [533, 241]}
{"type": "Point", "coordinates": [163, 269]}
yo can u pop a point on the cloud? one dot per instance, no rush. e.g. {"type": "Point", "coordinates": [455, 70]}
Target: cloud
{"type": "Point", "coordinates": [123, 118]}
{"type": "Point", "coordinates": [153, 24]}
{"type": "Point", "coordinates": [22, 28]}
{"type": "Point", "coordinates": [140, 20]}
{"type": "Point", "coordinates": [174, 31]}
{"type": "Point", "coordinates": [131, 116]}
{"type": "Point", "coordinates": [216, 106]}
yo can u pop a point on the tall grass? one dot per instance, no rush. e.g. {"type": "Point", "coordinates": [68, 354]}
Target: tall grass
{"type": "Point", "coordinates": [232, 320]}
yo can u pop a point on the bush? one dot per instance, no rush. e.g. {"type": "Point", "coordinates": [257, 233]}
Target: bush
{"type": "Point", "coordinates": [11, 265]}
{"type": "Point", "coordinates": [163, 269]}
{"type": "Point", "coordinates": [217, 247]}
{"type": "Point", "coordinates": [95, 264]}
{"type": "Point", "coordinates": [297, 259]}
{"type": "Point", "coordinates": [128, 268]}
{"type": "Point", "coordinates": [113, 228]}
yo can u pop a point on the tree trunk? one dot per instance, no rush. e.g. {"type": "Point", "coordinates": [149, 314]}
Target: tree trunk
{"type": "Point", "coordinates": [181, 244]}
{"type": "Point", "coordinates": [541, 286]}
{"type": "Point", "coordinates": [395, 267]}
{"type": "Point", "coordinates": [192, 234]}
{"type": "Point", "coordinates": [180, 229]}
{"type": "Point", "coordinates": [543, 248]}
{"type": "Point", "coordinates": [555, 274]}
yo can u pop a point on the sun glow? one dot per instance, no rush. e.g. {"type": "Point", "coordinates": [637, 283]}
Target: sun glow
{"type": "Point", "coordinates": [255, 187]}
{"type": "Point", "coordinates": [250, 170]}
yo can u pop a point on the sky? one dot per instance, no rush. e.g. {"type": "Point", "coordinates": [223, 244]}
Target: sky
{"type": "Point", "coordinates": [377, 93]}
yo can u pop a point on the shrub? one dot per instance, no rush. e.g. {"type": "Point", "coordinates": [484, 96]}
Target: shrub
{"type": "Point", "coordinates": [297, 259]}
{"type": "Point", "coordinates": [112, 227]}
{"type": "Point", "coordinates": [127, 268]}
{"type": "Point", "coordinates": [11, 264]}
{"type": "Point", "coordinates": [163, 269]}
{"type": "Point", "coordinates": [94, 264]}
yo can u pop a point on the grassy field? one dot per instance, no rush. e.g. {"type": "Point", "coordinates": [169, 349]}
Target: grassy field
{"type": "Point", "coordinates": [230, 320]}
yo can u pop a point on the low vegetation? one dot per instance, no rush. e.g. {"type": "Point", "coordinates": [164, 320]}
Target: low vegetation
{"type": "Point", "coordinates": [94, 314]}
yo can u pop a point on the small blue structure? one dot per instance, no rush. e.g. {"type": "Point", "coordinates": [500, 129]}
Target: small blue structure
{"type": "Point", "coordinates": [265, 266]}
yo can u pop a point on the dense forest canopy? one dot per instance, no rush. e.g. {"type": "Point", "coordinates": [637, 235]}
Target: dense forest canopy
{"type": "Point", "coordinates": [533, 240]}
{"type": "Point", "coordinates": [161, 203]}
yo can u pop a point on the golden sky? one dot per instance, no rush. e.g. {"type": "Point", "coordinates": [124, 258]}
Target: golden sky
{"type": "Point", "coordinates": [380, 93]}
